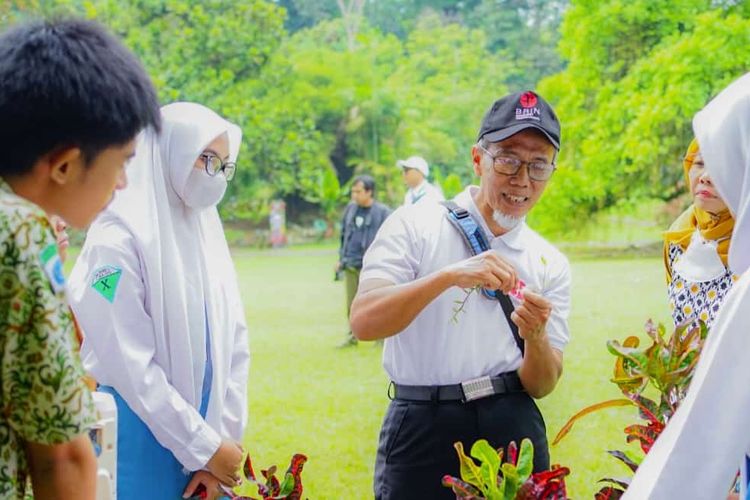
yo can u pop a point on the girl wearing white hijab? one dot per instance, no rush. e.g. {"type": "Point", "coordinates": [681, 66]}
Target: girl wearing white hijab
{"type": "Point", "coordinates": [696, 456]}
{"type": "Point", "coordinates": [156, 294]}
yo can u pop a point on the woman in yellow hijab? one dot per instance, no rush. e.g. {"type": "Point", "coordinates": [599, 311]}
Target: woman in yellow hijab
{"type": "Point", "coordinates": [696, 248]}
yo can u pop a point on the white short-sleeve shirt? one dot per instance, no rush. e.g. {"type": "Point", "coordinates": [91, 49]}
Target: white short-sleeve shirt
{"type": "Point", "coordinates": [423, 193]}
{"type": "Point", "coordinates": [419, 240]}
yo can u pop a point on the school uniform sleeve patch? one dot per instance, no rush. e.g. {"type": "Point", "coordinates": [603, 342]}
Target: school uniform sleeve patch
{"type": "Point", "coordinates": [52, 266]}
{"type": "Point", "coordinates": [105, 281]}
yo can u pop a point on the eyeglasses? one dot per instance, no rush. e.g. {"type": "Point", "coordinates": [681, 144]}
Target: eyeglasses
{"type": "Point", "coordinates": [507, 165]}
{"type": "Point", "coordinates": [214, 165]}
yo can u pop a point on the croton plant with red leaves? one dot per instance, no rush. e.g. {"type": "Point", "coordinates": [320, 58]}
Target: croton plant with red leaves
{"type": "Point", "coordinates": [501, 476]}
{"type": "Point", "coordinates": [667, 365]}
{"type": "Point", "coordinates": [269, 487]}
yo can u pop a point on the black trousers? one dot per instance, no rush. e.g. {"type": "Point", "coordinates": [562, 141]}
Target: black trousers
{"type": "Point", "coordinates": [416, 441]}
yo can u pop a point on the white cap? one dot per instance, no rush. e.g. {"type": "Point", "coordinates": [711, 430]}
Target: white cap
{"type": "Point", "coordinates": [415, 162]}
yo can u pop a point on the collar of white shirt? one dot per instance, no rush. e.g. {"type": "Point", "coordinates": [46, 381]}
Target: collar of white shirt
{"type": "Point", "coordinates": [513, 239]}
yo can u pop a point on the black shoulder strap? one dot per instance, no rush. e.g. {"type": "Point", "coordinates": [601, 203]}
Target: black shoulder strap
{"type": "Point", "coordinates": [476, 240]}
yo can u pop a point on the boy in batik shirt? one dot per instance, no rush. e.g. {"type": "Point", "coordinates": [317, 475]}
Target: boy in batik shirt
{"type": "Point", "coordinates": [72, 100]}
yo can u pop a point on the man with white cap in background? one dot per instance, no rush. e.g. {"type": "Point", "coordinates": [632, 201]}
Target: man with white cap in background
{"type": "Point", "coordinates": [416, 170]}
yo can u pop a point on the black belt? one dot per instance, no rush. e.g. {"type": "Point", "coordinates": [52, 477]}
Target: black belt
{"type": "Point", "coordinates": [481, 387]}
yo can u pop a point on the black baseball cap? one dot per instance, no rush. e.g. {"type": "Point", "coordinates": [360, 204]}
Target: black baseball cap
{"type": "Point", "coordinates": [520, 111]}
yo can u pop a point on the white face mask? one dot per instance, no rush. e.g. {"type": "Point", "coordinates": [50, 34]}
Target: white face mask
{"type": "Point", "coordinates": [202, 190]}
{"type": "Point", "coordinates": [701, 261]}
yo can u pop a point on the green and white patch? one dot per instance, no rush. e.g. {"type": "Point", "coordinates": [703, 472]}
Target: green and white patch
{"type": "Point", "coordinates": [105, 281]}
{"type": "Point", "coordinates": [52, 266]}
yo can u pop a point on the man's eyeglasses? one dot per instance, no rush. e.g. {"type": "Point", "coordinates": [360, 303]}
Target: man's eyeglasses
{"type": "Point", "coordinates": [508, 165]}
{"type": "Point", "coordinates": [214, 165]}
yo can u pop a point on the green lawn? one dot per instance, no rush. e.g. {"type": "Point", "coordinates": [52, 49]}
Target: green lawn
{"type": "Point", "coordinates": [307, 396]}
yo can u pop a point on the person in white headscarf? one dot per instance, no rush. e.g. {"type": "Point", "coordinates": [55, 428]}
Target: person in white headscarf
{"type": "Point", "coordinates": [696, 456]}
{"type": "Point", "coordinates": [156, 294]}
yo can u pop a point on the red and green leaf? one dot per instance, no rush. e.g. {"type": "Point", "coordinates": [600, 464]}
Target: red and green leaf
{"type": "Point", "coordinates": [462, 489]}
{"type": "Point", "coordinates": [512, 453]}
{"type": "Point", "coordinates": [644, 434]}
{"type": "Point", "coordinates": [609, 493]}
{"type": "Point", "coordinates": [547, 485]}
{"type": "Point", "coordinates": [621, 483]}
{"type": "Point", "coordinates": [248, 468]}
{"type": "Point", "coordinates": [624, 458]}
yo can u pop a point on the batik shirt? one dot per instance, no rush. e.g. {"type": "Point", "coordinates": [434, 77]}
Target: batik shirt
{"type": "Point", "coordinates": [690, 301]}
{"type": "Point", "coordinates": [42, 394]}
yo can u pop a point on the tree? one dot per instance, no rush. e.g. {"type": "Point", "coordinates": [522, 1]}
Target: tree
{"type": "Point", "coordinates": [351, 13]}
{"type": "Point", "coordinates": [523, 32]}
{"type": "Point", "coordinates": [637, 73]}
{"type": "Point", "coordinates": [210, 52]}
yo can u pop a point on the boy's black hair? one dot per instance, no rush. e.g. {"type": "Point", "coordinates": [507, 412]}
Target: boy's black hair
{"type": "Point", "coordinates": [368, 183]}
{"type": "Point", "coordinates": [68, 83]}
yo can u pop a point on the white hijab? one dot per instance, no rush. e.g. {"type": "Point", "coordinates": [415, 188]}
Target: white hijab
{"type": "Point", "coordinates": [702, 447]}
{"type": "Point", "coordinates": [185, 257]}
{"type": "Point", "coordinates": [723, 132]}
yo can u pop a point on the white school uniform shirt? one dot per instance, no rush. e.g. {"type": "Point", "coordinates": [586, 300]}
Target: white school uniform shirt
{"type": "Point", "coordinates": [153, 277]}
{"type": "Point", "coordinates": [708, 438]}
{"type": "Point", "coordinates": [433, 350]}
{"type": "Point", "coordinates": [424, 192]}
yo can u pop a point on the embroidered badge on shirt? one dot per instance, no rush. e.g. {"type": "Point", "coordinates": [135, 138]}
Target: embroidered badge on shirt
{"type": "Point", "coordinates": [105, 281]}
{"type": "Point", "coordinates": [53, 267]}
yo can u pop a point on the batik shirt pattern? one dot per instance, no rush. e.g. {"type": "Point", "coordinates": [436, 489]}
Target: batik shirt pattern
{"type": "Point", "coordinates": [42, 394]}
{"type": "Point", "coordinates": [691, 301]}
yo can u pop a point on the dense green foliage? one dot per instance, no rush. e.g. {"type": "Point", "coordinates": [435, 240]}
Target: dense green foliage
{"type": "Point", "coordinates": [637, 73]}
{"type": "Point", "coordinates": [328, 89]}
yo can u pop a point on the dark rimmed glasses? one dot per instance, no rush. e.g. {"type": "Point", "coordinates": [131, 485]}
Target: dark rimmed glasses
{"type": "Point", "coordinates": [214, 165]}
{"type": "Point", "coordinates": [508, 165]}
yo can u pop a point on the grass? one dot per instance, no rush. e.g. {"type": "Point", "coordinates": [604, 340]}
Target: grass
{"type": "Point", "coordinates": [307, 396]}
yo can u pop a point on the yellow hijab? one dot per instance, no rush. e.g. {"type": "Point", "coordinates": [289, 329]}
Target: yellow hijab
{"type": "Point", "coordinates": [712, 227]}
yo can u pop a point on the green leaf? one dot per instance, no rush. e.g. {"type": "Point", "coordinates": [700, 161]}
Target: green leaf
{"type": "Point", "coordinates": [469, 471]}
{"type": "Point", "coordinates": [510, 483]}
{"type": "Point", "coordinates": [287, 485]}
{"type": "Point", "coordinates": [525, 464]}
{"type": "Point", "coordinates": [589, 409]}
{"type": "Point", "coordinates": [490, 465]}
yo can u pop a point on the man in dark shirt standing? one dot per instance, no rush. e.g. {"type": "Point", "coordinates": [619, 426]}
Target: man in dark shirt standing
{"type": "Point", "coordinates": [359, 225]}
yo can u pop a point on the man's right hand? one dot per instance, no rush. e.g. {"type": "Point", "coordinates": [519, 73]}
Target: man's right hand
{"type": "Point", "coordinates": [487, 270]}
{"type": "Point", "coordinates": [226, 462]}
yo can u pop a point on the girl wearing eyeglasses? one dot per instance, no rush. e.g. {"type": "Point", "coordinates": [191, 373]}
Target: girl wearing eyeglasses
{"type": "Point", "coordinates": [156, 294]}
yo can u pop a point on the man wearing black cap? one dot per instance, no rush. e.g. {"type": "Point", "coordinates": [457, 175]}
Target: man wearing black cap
{"type": "Point", "coordinates": [466, 360]}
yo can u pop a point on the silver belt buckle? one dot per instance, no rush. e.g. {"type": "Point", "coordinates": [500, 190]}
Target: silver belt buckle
{"type": "Point", "coordinates": [477, 388]}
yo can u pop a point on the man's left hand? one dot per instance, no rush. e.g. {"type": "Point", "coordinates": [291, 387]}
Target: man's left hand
{"type": "Point", "coordinates": [531, 316]}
